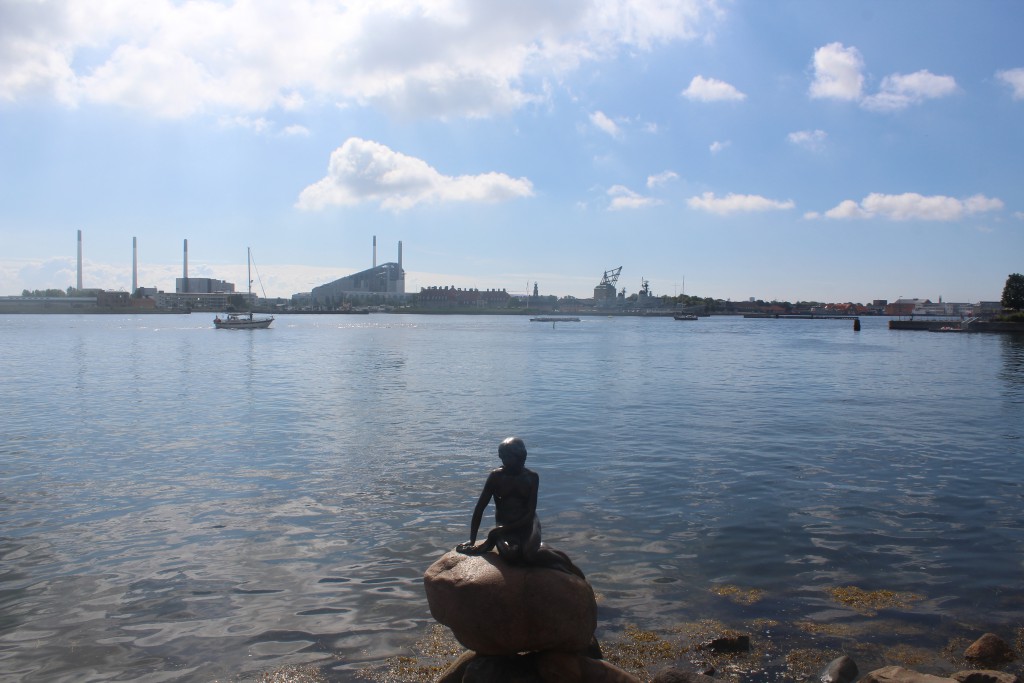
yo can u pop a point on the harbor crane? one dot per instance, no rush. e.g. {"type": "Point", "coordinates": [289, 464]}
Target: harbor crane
{"type": "Point", "coordinates": [611, 277]}
{"type": "Point", "coordinates": [604, 293]}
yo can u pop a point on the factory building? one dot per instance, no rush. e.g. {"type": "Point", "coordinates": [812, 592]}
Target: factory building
{"type": "Point", "coordinates": [386, 280]}
{"type": "Point", "coordinates": [202, 285]}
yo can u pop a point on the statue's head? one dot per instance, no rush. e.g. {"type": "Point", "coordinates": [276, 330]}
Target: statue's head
{"type": "Point", "coordinates": [512, 452]}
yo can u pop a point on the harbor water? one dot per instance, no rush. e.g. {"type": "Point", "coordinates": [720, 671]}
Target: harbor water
{"type": "Point", "coordinates": [185, 504]}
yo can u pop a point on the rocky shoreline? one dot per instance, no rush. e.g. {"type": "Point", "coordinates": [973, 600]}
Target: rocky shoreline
{"type": "Point", "coordinates": [529, 625]}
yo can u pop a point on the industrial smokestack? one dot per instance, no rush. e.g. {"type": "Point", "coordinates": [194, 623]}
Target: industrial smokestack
{"type": "Point", "coordinates": [184, 272]}
{"type": "Point", "coordinates": [374, 251]}
{"type": "Point", "coordinates": [79, 259]}
{"type": "Point", "coordinates": [399, 256]}
{"type": "Point", "coordinates": [135, 264]}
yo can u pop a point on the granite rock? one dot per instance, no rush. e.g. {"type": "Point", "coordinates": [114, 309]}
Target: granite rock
{"type": "Point", "coordinates": [495, 608]}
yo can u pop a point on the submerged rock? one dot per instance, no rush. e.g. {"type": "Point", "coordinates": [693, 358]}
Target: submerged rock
{"type": "Point", "coordinates": [840, 670]}
{"type": "Point", "coordinates": [897, 674]}
{"type": "Point", "coordinates": [674, 675]}
{"type": "Point", "coordinates": [728, 644]}
{"type": "Point", "coordinates": [991, 649]}
{"type": "Point", "coordinates": [985, 676]}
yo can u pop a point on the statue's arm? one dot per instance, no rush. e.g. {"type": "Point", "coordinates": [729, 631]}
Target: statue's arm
{"type": "Point", "coordinates": [478, 511]}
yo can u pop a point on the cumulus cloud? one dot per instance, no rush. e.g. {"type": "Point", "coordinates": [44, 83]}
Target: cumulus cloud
{"type": "Point", "coordinates": [711, 90]}
{"type": "Point", "coordinates": [719, 145]}
{"type": "Point", "coordinates": [809, 139]}
{"type": "Point", "coordinates": [603, 123]}
{"type": "Point", "coordinates": [899, 91]}
{"type": "Point", "coordinates": [838, 75]}
{"type": "Point", "coordinates": [413, 57]}
{"type": "Point", "coordinates": [737, 203]}
{"type": "Point", "coordinates": [912, 206]}
{"type": "Point", "coordinates": [625, 198]}
{"type": "Point", "coordinates": [365, 171]}
{"type": "Point", "coordinates": [837, 72]}
{"type": "Point", "coordinates": [1015, 79]}
{"type": "Point", "coordinates": [660, 179]}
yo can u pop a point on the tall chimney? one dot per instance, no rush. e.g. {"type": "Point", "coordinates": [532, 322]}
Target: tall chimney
{"type": "Point", "coordinates": [374, 251]}
{"type": "Point", "coordinates": [79, 259]}
{"type": "Point", "coordinates": [184, 272]}
{"type": "Point", "coordinates": [135, 264]}
{"type": "Point", "coordinates": [399, 257]}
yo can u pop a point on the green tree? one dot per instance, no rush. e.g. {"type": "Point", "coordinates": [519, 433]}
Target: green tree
{"type": "Point", "coordinates": [1013, 292]}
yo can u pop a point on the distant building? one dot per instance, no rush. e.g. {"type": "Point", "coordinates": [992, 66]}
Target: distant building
{"type": "Point", "coordinates": [386, 280]}
{"type": "Point", "coordinates": [450, 297]}
{"type": "Point", "coordinates": [202, 285]}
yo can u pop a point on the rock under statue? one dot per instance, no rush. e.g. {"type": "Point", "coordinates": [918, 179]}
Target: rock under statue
{"type": "Point", "coordinates": [517, 534]}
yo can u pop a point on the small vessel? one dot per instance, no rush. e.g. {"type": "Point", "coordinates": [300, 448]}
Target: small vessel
{"type": "Point", "coordinates": [548, 319]}
{"type": "Point", "coordinates": [244, 321]}
{"type": "Point", "coordinates": [685, 316]}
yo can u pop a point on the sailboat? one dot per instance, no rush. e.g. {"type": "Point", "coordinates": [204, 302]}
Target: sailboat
{"type": "Point", "coordinates": [244, 321]}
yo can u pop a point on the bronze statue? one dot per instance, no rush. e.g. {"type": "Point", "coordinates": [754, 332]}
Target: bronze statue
{"type": "Point", "coordinates": [517, 534]}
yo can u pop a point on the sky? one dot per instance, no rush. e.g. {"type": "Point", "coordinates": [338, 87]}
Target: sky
{"type": "Point", "coordinates": [787, 150]}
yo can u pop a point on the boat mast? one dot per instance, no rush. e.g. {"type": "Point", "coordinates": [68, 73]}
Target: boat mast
{"type": "Point", "coordinates": [248, 273]}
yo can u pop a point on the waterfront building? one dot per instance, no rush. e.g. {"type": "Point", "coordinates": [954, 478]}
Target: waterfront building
{"type": "Point", "coordinates": [451, 297]}
{"type": "Point", "coordinates": [385, 281]}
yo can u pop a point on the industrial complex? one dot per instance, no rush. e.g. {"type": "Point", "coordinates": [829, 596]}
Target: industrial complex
{"type": "Point", "coordinates": [382, 286]}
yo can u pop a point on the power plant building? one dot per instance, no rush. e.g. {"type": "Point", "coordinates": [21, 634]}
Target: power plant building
{"type": "Point", "coordinates": [386, 280]}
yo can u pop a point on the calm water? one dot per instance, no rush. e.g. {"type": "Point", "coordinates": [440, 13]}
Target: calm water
{"type": "Point", "coordinates": [180, 503]}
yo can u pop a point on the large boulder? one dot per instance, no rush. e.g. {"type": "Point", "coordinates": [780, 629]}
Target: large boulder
{"type": "Point", "coordinates": [495, 608]}
{"type": "Point", "coordinates": [897, 674]}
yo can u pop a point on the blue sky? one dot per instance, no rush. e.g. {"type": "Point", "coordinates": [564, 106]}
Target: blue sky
{"type": "Point", "coordinates": [790, 150]}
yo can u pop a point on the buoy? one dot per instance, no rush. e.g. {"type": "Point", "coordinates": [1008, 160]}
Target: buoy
{"type": "Point", "coordinates": [856, 324]}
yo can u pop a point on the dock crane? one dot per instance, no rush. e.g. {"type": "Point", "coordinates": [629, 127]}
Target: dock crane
{"type": "Point", "coordinates": [604, 293]}
{"type": "Point", "coordinates": [611, 277]}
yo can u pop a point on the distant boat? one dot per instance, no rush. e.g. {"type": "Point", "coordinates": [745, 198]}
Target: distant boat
{"type": "Point", "coordinates": [685, 316]}
{"type": "Point", "coordinates": [244, 321]}
{"type": "Point", "coordinates": [548, 319]}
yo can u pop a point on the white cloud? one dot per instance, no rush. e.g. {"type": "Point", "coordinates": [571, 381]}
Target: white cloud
{"type": "Point", "coordinates": [256, 125]}
{"type": "Point", "coordinates": [661, 179]}
{"type": "Point", "coordinates": [365, 171]}
{"type": "Point", "coordinates": [912, 206]}
{"type": "Point", "coordinates": [1015, 79]}
{"type": "Point", "coordinates": [413, 57]}
{"type": "Point", "coordinates": [810, 139]}
{"type": "Point", "coordinates": [603, 123]}
{"type": "Point", "coordinates": [296, 130]}
{"type": "Point", "coordinates": [719, 145]}
{"type": "Point", "coordinates": [1019, 215]}
{"type": "Point", "coordinates": [625, 198]}
{"type": "Point", "coordinates": [837, 73]}
{"type": "Point", "coordinates": [899, 91]}
{"type": "Point", "coordinates": [737, 203]}
{"type": "Point", "coordinates": [846, 209]}
{"type": "Point", "coordinates": [711, 90]}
